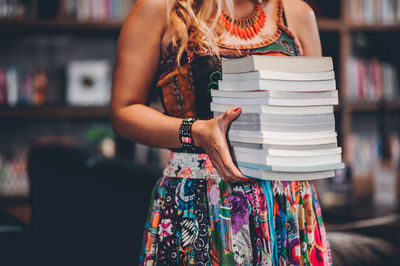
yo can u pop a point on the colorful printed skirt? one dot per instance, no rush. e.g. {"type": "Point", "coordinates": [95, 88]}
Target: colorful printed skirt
{"type": "Point", "coordinates": [197, 219]}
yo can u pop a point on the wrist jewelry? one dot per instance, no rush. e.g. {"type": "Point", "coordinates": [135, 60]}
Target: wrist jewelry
{"type": "Point", "coordinates": [185, 134]}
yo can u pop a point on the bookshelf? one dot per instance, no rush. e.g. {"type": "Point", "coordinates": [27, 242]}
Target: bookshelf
{"type": "Point", "coordinates": [47, 35]}
{"type": "Point", "coordinates": [345, 29]}
{"type": "Point", "coordinates": [341, 29]}
{"type": "Point", "coordinates": [64, 24]}
{"type": "Point", "coordinates": [53, 112]}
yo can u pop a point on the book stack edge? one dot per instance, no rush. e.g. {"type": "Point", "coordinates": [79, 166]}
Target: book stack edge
{"type": "Point", "coordinates": [286, 130]}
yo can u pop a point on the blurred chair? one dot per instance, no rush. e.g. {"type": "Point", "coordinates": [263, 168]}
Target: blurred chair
{"type": "Point", "coordinates": [86, 209]}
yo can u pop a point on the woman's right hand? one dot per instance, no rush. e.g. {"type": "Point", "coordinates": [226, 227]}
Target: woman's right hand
{"type": "Point", "coordinates": [211, 136]}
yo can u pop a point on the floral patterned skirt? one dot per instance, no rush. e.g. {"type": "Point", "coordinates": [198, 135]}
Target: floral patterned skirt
{"type": "Point", "coordinates": [197, 219]}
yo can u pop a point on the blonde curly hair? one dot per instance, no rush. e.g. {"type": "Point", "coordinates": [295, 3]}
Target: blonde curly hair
{"type": "Point", "coordinates": [197, 21]}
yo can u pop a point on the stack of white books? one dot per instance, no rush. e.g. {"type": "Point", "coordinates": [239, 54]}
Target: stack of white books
{"type": "Point", "coordinates": [286, 130]}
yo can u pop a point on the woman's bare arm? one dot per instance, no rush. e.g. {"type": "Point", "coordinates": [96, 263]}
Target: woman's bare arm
{"type": "Point", "coordinates": [137, 61]}
{"type": "Point", "coordinates": [302, 22]}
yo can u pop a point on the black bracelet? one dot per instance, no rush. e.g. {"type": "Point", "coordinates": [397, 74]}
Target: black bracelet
{"type": "Point", "coordinates": [185, 134]}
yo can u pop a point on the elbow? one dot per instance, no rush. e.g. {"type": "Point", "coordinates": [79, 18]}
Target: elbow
{"type": "Point", "coordinates": [114, 126]}
{"type": "Point", "coordinates": [115, 119]}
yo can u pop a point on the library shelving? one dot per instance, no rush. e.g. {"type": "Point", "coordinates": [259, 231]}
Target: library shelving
{"type": "Point", "coordinates": [65, 24]}
{"type": "Point", "coordinates": [47, 37]}
{"type": "Point", "coordinates": [344, 28]}
{"type": "Point", "coordinates": [53, 112]}
{"type": "Point", "coordinates": [337, 34]}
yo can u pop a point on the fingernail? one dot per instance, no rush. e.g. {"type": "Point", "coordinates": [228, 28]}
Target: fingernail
{"type": "Point", "coordinates": [236, 109]}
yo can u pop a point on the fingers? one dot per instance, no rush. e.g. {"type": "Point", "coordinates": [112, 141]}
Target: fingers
{"type": "Point", "coordinates": [229, 165]}
{"type": "Point", "coordinates": [229, 116]}
{"type": "Point", "coordinates": [225, 166]}
{"type": "Point", "coordinates": [217, 148]}
{"type": "Point", "coordinates": [225, 172]}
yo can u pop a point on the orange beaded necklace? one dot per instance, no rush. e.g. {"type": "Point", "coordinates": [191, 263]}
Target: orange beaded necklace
{"type": "Point", "coordinates": [245, 28]}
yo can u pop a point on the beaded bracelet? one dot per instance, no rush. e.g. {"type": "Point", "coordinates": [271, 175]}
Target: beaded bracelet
{"type": "Point", "coordinates": [185, 134]}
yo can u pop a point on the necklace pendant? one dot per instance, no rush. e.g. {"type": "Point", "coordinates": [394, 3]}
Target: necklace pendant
{"type": "Point", "coordinates": [245, 28]}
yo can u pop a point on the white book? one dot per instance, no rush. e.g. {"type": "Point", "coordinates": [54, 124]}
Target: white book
{"type": "Point", "coordinates": [289, 176]}
{"type": "Point", "coordinates": [277, 85]}
{"type": "Point", "coordinates": [284, 120]}
{"type": "Point", "coordinates": [275, 94]}
{"type": "Point", "coordinates": [234, 144]}
{"type": "Point", "coordinates": [278, 110]}
{"type": "Point", "coordinates": [280, 141]}
{"type": "Point", "coordinates": [279, 75]}
{"type": "Point", "coordinates": [313, 168]}
{"type": "Point", "coordinates": [277, 63]}
{"type": "Point", "coordinates": [278, 128]}
{"type": "Point", "coordinates": [289, 160]}
{"type": "Point", "coordinates": [276, 101]}
{"type": "Point", "coordinates": [12, 86]}
{"type": "Point", "coordinates": [282, 152]}
{"type": "Point", "coordinates": [281, 135]}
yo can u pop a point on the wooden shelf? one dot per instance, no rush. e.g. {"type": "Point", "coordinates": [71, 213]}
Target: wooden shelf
{"type": "Point", "coordinates": [357, 106]}
{"type": "Point", "coordinates": [371, 27]}
{"type": "Point", "coordinates": [368, 106]}
{"type": "Point", "coordinates": [393, 105]}
{"type": "Point", "coordinates": [324, 24]}
{"type": "Point", "coordinates": [61, 24]}
{"type": "Point", "coordinates": [328, 24]}
{"type": "Point", "coordinates": [49, 112]}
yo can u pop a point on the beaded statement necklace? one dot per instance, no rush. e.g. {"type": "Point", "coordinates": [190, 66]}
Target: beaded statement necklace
{"type": "Point", "coordinates": [245, 28]}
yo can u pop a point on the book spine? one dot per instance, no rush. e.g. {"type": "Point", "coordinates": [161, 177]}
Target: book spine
{"type": "Point", "coordinates": [79, 10]}
{"type": "Point", "coordinates": [3, 86]}
{"type": "Point", "coordinates": [373, 11]}
{"type": "Point", "coordinates": [85, 9]}
{"type": "Point", "coordinates": [113, 9]}
{"type": "Point", "coordinates": [40, 87]}
{"type": "Point", "coordinates": [108, 9]}
{"type": "Point", "coordinates": [93, 8]}
{"type": "Point", "coordinates": [12, 86]}
{"type": "Point", "coordinates": [371, 80]}
{"type": "Point", "coordinates": [102, 12]}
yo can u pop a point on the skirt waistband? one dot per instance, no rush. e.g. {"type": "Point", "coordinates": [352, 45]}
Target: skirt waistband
{"type": "Point", "coordinates": [190, 165]}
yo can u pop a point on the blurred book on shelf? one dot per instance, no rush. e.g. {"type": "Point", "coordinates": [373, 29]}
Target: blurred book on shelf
{"type": "Point", "coordinates": [387, 175]}
{"type": "Point", "coordinates": [23, 85]}
{"type": "Point", "coordinates": [88, 82]}
{"type": "Point", "coordinates": [371, 80]}
{"type": "Point", "coordinates": [385, 187]}
{"type": "Point", "coordinates": [80, 83]}
{"type": "Point", "coordinates": [364, 179]}
{"type": "Point", "coordinates": [97, 10]}
{"type": "Point", "coordinates": [364, 152]}
{"type": "Point", "coordinates": [365, 156]}
{"type": "Point", "coordinates": [17, 8]}
{"type": "Point", "coordinates": [81, 10]}
{"type": "Point", "coordinates": [373, 11]}
{"type": "Point", "coordinates": [14, 182]}
{"type": "Point", "coordinates": [393, 142]}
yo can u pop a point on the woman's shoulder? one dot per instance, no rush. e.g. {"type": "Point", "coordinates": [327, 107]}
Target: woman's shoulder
{"type": "Point", "coordinates": [299, 14]}
{"type": "Point", "coordinates": [302, 22]}
{"type": "Point", "coordinates": [298, 7]}
{"type": "Point", "coordinates": [150, 13]}
{"type": "Point", "coordinates": [151, 5]}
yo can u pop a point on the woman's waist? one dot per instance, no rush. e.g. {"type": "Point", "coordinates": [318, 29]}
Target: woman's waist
{"type": "Point", "coordinates": [199, 166]}
{"type": "Point", "coordinates": [190, 165]}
